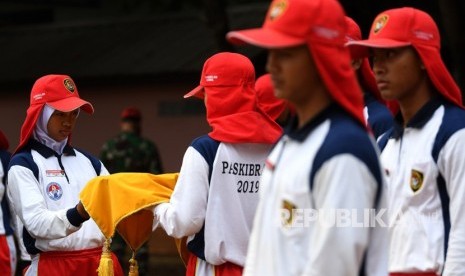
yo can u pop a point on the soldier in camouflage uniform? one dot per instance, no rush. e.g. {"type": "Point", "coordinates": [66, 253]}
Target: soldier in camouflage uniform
{"type": "Point", "coordinates": [130, 152]}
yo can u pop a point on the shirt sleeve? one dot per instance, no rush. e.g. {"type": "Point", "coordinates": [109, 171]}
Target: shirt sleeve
{"type": "Point", "coordinates": [28, 203]}
{"type": "Point", "coordinates": [345, 188]}
{"type": "Point", "coordinates": [451, 163]}
{"type": "Point", "coordinates": [184, 215]}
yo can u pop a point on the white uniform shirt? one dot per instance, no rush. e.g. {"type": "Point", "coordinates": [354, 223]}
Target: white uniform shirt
{"type": "Point", "coordinates": [335, 155]}
{"type": "Point", "coordinates": [215, 198]}
{"type": "Point", "coordinates": [45, 203]}
{"type": "Point", "coordinates": [426, 198]}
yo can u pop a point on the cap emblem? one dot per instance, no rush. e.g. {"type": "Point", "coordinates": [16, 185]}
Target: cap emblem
{"type": "Point", "coordinates": [277, 9]}
{"type": "Point", "coordinates": [380, 22]}
{"type": "Point", "coordinates": [69, 85]}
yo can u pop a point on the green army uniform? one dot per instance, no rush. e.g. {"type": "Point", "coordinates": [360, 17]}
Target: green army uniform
{"type": "Point", "coordinates": [129, 152]}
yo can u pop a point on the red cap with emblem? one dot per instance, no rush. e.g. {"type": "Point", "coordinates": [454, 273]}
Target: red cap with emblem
{"type": "Point", "coordinates": [320, 25]}
{"type": "Point", "coordinates": [57, 91]}
{"type": "Point", "coordinates": [411, 27]}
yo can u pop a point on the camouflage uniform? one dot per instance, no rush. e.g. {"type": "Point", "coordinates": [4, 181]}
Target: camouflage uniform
{"type": "Point", "coordinates": [129, 152]}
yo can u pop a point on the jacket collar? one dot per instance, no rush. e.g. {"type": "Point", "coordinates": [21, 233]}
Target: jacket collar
{"type": "Point", "coordinates": [47, 152]}
{"type": "Point", "coordinates": [419, 119]}
{"type": "Point", "coordinates": [299, 134]}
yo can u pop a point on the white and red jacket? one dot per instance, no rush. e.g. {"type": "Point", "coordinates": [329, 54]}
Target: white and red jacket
{"type": "Point", "coordinates": [425, 168]}
{"type": "Point", "coordinates": [43, 188]}
{"type": "Point", "coordinates": [215, 198]}
{"type": "Point", "coordinates": [330, 165]}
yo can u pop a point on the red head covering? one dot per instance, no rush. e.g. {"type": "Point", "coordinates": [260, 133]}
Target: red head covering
{"type": "Point", "coordinates": [411, 27]}
{"type": "Point", "coordinates": [368, 80]}
{"type": "Point", "coordinates": [228, 81]}
{"type": "Point", "coordinates": [266, 100]}
{"type": "Point", "coordinates": [57, 91]}
{"type": "Point", "coordinates": [321, 26]}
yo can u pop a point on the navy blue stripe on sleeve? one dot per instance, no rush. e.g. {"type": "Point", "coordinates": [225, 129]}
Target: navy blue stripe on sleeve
{"type": "Point", "coordinates": [347, 137]}
{"type": "Point", "coordinates": [74, 217]}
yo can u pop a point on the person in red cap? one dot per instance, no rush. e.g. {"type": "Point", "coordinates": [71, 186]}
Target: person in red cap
{"type": "Point", "coordinates": [326, 164]}
{"type": "Point", "coordinates": [7, 244]}
{"type": "Point", "coordinates": [129, 151]}
{"type": "Point", "coordinates": [377, 115]}
{"type": "Point", "coordinates": [45, 177]}
{"type": "Point", "coordinates": [214, 200]}
{"type": "Point", "coordinates": [423, 153]}
{"type": "Point", "coordinates": [278, 109]}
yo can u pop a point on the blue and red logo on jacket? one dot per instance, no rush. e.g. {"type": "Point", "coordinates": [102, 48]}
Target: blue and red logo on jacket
{"type": "Point", "coordinates": [54, 191]}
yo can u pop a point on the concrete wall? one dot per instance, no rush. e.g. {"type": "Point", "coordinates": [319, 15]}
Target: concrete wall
{"type": "Point", "coordinates": [171, 132]}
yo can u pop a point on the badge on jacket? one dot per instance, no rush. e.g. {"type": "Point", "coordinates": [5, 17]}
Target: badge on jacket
{"type": "Point", "coordinates": [416, 180]}
{"type": "Point", "coordinates": [287, 213]}
{"type": "Point", "coordinates": [54, 191]}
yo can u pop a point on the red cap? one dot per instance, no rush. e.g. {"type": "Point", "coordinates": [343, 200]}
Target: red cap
{"type": "Point", "coordinates": [131, 113]}
{"type": "Point", "coordinates": [367, 78]}
{"type": "Point", "coordinates": [57, 91]}
{"type": "Point", "coordinates": [228, 80]}
{"type": "Point", "coordinates": [398, 28]}
{"type": "Point", "coordinates": [224, 69]}
{"type": "Point", "coordinates": [408, 26]}
{"type": "Point", "coordinates": [320, 24]}
{"type": "Point", "coordinates": [353, 30]}
{"type": "Point", "coordinates": [266, 98]}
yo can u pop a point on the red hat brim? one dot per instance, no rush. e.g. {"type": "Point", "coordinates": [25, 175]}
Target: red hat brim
{"type": "Point", "coordinates": [198, 92]}
{"type": "Point", "coordinates": [70, 104]}
{"type": "Point", "coordinates": [264, 37]}
{"type": "Point", "coordinates": [361, 48]}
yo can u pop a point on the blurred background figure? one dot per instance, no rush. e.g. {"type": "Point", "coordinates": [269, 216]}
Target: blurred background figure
{"type": "Point", "coordinates": [278, 109]}
{"type": "Point", "coordinates": [130, 152]}
{"type": "Point", "coordinates": [7, 245]}
{"type": "Point", "coordinates": [377, 114]}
